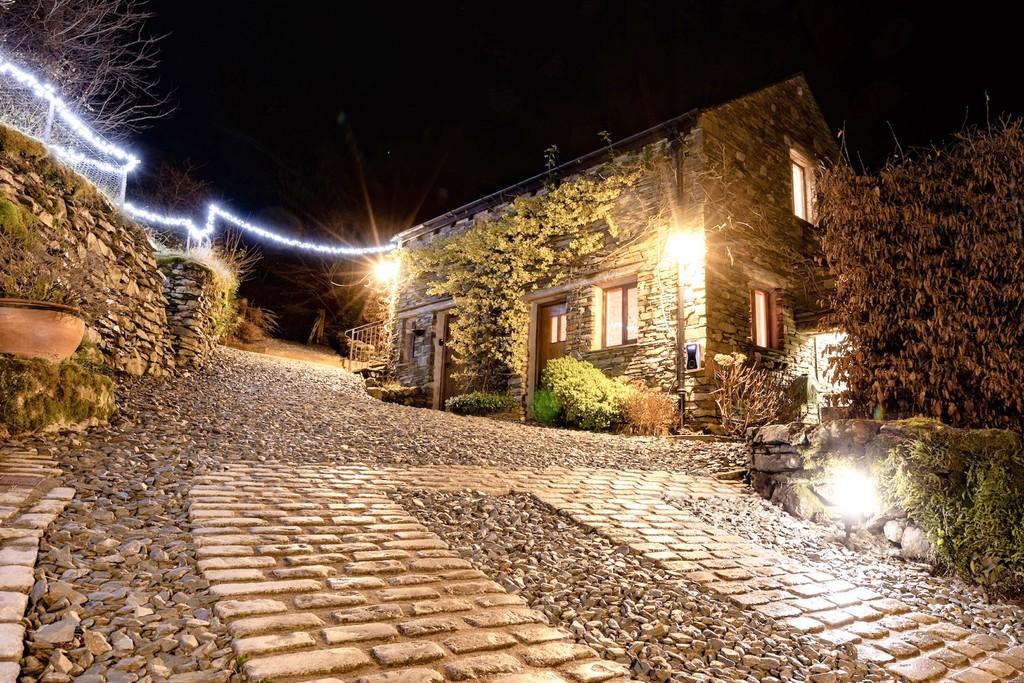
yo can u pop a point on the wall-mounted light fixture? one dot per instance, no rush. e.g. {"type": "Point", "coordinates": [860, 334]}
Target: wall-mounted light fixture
{"type": "Point", "coordinates": [385, 271]}
{"type": "Point", "coordinates": [685, 247]}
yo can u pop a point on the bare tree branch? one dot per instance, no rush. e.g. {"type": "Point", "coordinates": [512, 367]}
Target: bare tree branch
{"type": "Point", "coordinates": [97, 52]}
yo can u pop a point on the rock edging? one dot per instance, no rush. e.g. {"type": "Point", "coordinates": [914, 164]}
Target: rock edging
{"type": "Point", "coordinates": [790, 464]}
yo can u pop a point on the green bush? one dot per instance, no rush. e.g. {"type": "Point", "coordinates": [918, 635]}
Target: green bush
{"type": "Point", "coordinates": [589, 398]}
{"type": "Point", "coordinates": [480, 403]}
{"type": "Point", "coordinates": [546, 408]}
{"type": "Point", "coordinates": [963, 487]}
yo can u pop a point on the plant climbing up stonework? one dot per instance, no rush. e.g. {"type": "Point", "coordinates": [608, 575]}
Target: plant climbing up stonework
{"type": "Point", "coordinates": [488, 269]}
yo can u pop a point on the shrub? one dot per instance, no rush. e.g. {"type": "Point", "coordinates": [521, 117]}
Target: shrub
{"type": "Point", "coordinates": [928, 263]}
{"type": "Point", "coordinates": [589, 399]}
{"type": "Point", "coordinates": [649, 412]}
{"type": "Point", "coordinates": [546, 408]}
{"type": "Point", "coordinates": [255, 324]}
{"type": "Point", "coordinates": [962, 487]}
{"type": "Point", "coordinates": [747, 396]}
{"type": "Point", "coordinates": [480, 403]}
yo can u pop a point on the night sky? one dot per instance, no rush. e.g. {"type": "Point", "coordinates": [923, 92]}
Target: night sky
{"type": "Point", "coordinates": [304, 113]}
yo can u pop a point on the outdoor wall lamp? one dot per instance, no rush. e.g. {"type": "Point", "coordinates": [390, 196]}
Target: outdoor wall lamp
{"type": "Point", "coordinates": [686, 248]}
{"type": "Point", "coordinates": [385, 270]}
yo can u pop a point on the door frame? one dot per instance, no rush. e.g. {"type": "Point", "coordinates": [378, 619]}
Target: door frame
{"type": "Point", "coordinates": [533, 337]}
{"type": "Point", "coordinates": [440, 323]}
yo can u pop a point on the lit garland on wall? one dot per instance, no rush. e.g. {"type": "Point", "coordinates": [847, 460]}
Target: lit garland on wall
{"type": "Point", "coordinates": [129, 162]}
{"type": "Point", "coordinates": [214, 212]}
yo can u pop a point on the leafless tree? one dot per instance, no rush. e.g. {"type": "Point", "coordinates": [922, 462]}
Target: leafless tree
{"type": "Point", "coordinates": [98, 53]}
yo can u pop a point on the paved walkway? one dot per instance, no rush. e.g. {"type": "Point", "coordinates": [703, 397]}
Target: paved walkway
{"type": "Point", "coordinates": [218, 521]}
{"type": "Point", "coordinates": [318, 572]}
{"type": "Point", "coordinates": [30, 500]}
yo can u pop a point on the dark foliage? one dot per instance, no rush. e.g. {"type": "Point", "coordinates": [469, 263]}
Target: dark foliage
{"type": "Point", "coordinates": [928, 258]}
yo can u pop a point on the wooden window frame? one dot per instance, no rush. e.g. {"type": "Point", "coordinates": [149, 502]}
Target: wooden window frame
{"type": "Point", "coordinates": [626, 341]}
{"type": "Point", "coordinates": [773, 316]}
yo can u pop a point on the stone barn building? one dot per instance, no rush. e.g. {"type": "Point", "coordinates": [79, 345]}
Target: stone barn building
{"type": "Point", "coordinates": [714, 253]}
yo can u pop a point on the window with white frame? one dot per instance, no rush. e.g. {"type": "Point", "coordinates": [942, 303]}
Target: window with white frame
{"type": "Point", "coordinates": [802, 183]}
{"type": "Point", "coordinates": [621, 315]}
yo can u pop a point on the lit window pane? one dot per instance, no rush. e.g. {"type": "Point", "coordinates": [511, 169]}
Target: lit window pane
{"type": "Point", "coordinates": [761, 318]}
{"type": "Point", "coordinates": [632, 316]}
{"type": "Point", "coordinates": [563, 332]}
{"type": "Point", "coordinates": [553, 324]}
{"type": "Point", "coordinates": [613, 317]}
{"type": "Point", "coordinates": [799, 194]}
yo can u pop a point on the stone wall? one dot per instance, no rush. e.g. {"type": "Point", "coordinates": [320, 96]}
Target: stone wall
{"type": "Point", "coordinates": [126, 311]}
{"type": "Point", "coordinates": [754, 239]}
{"type": "Point", "coordinates": [791, 465]}
{"type": "Point", "coordinates": [193, 297]}
{"type": "Point", "coordinates": [643, 218]}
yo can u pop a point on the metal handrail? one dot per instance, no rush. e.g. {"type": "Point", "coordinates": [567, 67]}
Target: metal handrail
{"type": "Point", "coordinates": [367, 343]}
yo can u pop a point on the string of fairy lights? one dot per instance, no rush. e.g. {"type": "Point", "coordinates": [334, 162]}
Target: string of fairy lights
{"type": "Point", "coordinates": [124, 163]}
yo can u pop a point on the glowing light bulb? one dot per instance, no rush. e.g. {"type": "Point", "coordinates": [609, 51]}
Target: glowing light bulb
{"type": "Point", "coordinates": [854, 493]}
{"type": "Point", "coordinates": [386, 270]}
{"type": "Point", "coordinates": [686, 247]}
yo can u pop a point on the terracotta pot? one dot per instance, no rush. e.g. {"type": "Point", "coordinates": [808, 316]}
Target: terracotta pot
{"type": "Point", "coordinates": [37, 329]}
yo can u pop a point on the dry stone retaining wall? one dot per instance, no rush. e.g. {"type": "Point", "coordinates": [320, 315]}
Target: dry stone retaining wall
{"type": "Point", "coordinates": [126, 311]}
{"type": "Point", "coordinates": [789, 465]}
{"type": "Point", "coordinates": [192, 291]}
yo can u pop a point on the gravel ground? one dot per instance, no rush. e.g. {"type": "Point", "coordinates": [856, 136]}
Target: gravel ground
{"type": "Point", "coordinates": [822, 547]}
{"type": "Point", "coordinates": [118, 596]}
{"type": "Point", "coordinates": [635, 613]}
{"type": "Point", "coordinates": [314, 414]}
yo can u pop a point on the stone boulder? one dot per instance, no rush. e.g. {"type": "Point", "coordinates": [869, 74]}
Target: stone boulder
{"type": "Point", "coordinates": [800, 501]}
{"type": "Point", "coordinates": [914, 545]}
{"type": "Point", "coordinates": [893, 530]}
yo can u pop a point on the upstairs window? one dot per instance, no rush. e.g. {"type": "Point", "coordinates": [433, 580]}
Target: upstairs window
{"type": "Point", "coordinates": [765, 319]}
{"type": "Point", "coordinates": [621, 317]}
{"type": "Point", "coordinates": [802, 183]}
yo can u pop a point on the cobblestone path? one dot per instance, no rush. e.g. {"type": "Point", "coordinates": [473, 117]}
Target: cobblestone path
{"type": "Point", "coordinates": [220, 527]}
{"type": "Point", "coordinates": [629, 508]}
{"type": "Point", "coordinates": [29, 501]}
{"type": "Point", "coordinates": [318, 572]}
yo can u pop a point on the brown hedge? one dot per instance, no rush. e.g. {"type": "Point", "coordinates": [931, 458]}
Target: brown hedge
{"type": "Point", "coordinates": [928, 258]}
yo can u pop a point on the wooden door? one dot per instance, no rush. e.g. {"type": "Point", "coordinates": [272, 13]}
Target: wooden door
{"type": "Point", "coordinates": [552, 333]}
{"type": "Point", "coordinates": [450, 385]}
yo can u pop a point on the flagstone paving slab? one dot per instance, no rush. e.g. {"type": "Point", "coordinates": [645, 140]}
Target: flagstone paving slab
{"type": "Point", "coordinates": [30, 500]}
{"type": "Point", "coordinates": [422, 612]}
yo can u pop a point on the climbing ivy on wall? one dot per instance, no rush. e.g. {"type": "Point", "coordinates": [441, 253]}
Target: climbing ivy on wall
{"type": "Point", "coordinates": [536, 239]}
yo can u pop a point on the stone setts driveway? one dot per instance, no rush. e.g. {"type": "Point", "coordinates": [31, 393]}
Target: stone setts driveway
{"type": "Point", "coordinates": [266, 520]}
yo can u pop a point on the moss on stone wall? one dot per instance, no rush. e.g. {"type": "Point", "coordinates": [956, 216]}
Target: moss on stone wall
{"type": "Point", "coordinates": [46, 206]}
{"type": "Point", "coordinates": [37, 395]}
{"type": "Point", "coordinates": [963, 487]}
